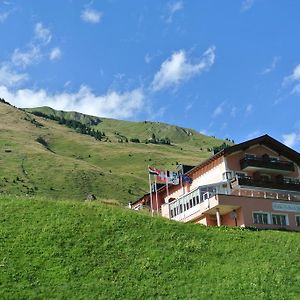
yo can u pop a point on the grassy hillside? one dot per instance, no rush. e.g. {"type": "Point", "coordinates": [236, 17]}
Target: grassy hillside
{"type": "Point", "coordinates": [41, 157]}
{"type": "Point", "coordinates": [73, 250]}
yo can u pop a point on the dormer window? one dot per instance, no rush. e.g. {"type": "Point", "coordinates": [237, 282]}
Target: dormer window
{"type": "Point", "coordinates": [250, 156]}
{"type": "Point", "coordinates": [240, 174]}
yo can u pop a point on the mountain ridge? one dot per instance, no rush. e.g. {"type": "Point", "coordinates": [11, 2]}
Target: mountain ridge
{"type": "Point", "coordinates": [134, 129]}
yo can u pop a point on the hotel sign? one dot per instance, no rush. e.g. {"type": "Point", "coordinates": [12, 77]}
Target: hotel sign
{"type": "Point", "coordinates": [286, 207]}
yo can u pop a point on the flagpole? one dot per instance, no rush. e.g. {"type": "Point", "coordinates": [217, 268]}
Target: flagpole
{"type": "Point", "coordinates": [156, 196]}
{"type": "Point", "coordinates": [181, 182]}
{"type": "Point", "coordinates": [151, 204]}
{"type": "Point", "coordinates": [167, 183]}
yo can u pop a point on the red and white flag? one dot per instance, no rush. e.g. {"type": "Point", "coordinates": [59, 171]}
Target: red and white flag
{"type": "Point", "coordinates": [161, 176]}
{"type": "Point", "coordinates": [153, 171]}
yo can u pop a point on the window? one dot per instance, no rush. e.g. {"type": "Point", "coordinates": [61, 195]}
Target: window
{"type": "Point", "coordinates": [205, 196]}
{"type": "Point", "coordinates": [249, 156]}
{"type": "Point", "coordinates": [298, 221]}
{"type": "Point", "coordinates": [265, 177]}
{"type": "Point", "coordinates": [279, 220]}
{"type": "Point", "coordinates": [227, 175]}
{"type": "Point", "coordinates": [240, 174]}
{"type": "Point", "coordinates": [273, 158]}
{"type": "Point", "coordinates": [172, 214]}
{"type": "Point", "coordinates": [288, 180]}
{"type": "Point", "coordinates": [260, 218]}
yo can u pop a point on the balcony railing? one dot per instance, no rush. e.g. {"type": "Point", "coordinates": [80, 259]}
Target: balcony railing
{"type": "Point", "coordinates": [266, 162]}
{"type": "Point", "coordinates": [287, 185]}
{"type": "Point", "coordinates": [189, 203]}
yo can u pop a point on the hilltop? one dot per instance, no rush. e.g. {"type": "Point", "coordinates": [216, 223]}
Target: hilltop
{"type": "Point", "coordinates": [42, 157]}
{"type": "Point", "coordinates": [119, 130]}
{"type": "Point", "coordinates": [66, 249]}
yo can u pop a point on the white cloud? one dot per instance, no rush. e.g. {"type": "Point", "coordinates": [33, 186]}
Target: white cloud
{"type": "Point", "coordinates": [224, 126]}
{"type": "Point", "coordinates": [233, 111]}
{"type": "Point", "coordinates": [296, 89]}
{"type": "Point", "coordinates": [272, 66]}
{"type": "Point", "coordinates": [42, 34]}
{"type": "Point", "coordinates": [147, 58]}
{"type": "Point", "coordinates": [113, 104]}
{"type": "Point", "coordinates": [91, 16]}
{"type": "Point", "coordinates": [119, 76]}
{"type": "Point", "coordinates": [204, 132]}
{"type": "Point", "coordinates": [33, 50]}
{"type": "Point", "coordinates": [291, 139]}
{"type": "Point", "coordinates": [157, 113]}
{"type": "Point", "coordinates": [179, 68]}
{"type": "Point", "coordinates": [172, 9]}
{"type": "Point", "coordinates": [10, 78]}
{"type": "Point", "coordinates": [4, 16]}
{"type": "Point", "coordinates": [294, 78]}
{"type": "Point", "coordinates": [26, 58]}
{"type": "Point", "coordinates": [188, 107]}
{"type": "Point", "coordinates": [55, 54]}
{"type": "Point", "coordinates": [176, 6]}
{"type": "Point", "coordinates": [218, 110]}
{"type": "Point", "coordinates": [247, 4]}
{"type": "Point", "coordinates": [67, 84]}
{"type": "Point", "coordinates": [249, 108]}
{"type": "Point", "coordinates": [253, 134]}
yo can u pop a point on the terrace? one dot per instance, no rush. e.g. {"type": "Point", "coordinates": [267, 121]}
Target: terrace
{"type": "Point", "coordinates": [266, 163]}
{"type": "Point", "coordinates": [282, 184]}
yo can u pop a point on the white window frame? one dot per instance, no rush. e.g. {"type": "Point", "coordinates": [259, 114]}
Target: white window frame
{"type": "Point", "coordinates": [273, 158]}
{"type": "Point", "coordinates": [288, 179]}
{"type": "Point", "coordinates": [280, 214]}
{"type": "Point", "coordinates": [242, 173]}
{"type": "Point", "coordinates": [227, 175]}
{"type": "Point", "coordinates": [266, 175]}
{"type": "Point", "coordinates": [261, 212]}
{"type": "Point", "coordinates": [250, 155]}
{"type": "Point", "coordinates": [297, 216]}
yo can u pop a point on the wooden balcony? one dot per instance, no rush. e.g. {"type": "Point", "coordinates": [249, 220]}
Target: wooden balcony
{"type": "Point", "coordinates": [266, 163]}
{"type": "Point", "coordinates": [286, 185]}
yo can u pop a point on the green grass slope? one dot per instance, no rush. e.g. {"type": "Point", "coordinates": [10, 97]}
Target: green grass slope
{"type": "Point", "coordinates": [43, 158]}
{"type": "Point", "coordinates": [72, 250]}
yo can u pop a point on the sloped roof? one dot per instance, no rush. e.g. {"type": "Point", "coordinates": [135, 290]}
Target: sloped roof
{"type": "Point", "coordinates": [271, 143]}
{"type": "Point", "coordinates": [266, 140]}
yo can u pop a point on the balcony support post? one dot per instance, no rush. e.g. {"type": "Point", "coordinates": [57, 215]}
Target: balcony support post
{"type": "Point", "coordinates": [218, 217]}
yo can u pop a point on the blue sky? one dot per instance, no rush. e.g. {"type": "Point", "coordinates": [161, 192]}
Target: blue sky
{"type": "Point", "coordinates": [230, 69]}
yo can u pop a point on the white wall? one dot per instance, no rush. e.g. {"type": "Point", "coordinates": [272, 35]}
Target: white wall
{"type": "Point", "coordinates": [214, 175]}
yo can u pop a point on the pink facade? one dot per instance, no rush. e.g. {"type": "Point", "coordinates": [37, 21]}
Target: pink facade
{"type": "Point", "coordinates": [246, 207]}
{"type": "Point", "coordinates": [252, 184]}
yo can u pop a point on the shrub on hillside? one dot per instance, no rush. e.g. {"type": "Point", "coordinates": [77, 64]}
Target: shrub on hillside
{"type": "Point", "coordinates": [134, 140]}
{"type": "Point", "coordinates": [42, 141]}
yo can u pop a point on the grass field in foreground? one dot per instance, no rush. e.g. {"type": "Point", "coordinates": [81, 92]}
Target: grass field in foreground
{"type": "Point", "coordinates": [72, 250]}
